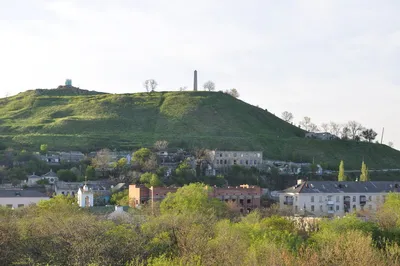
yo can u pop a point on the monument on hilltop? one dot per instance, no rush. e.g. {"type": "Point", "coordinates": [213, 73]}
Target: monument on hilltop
{"type": "Point", "coordinates": [68, 82]}
{"type": "Point", "coordinates": [195, 81]}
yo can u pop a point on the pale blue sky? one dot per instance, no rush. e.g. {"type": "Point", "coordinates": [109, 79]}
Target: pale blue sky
{"type": "Point", "coordinates": [330, 60]}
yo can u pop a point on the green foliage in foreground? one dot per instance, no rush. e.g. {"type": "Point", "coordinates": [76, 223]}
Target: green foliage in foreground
{"type": "Point", "coordinates": [191, 230]}
{"type": "Point", "coordinates": [72, 119]}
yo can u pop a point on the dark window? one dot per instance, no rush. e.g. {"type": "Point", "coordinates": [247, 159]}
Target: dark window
{"type": "Point", "coordinates": [248, 201]}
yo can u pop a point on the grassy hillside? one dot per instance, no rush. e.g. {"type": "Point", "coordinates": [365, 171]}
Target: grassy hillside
{"type": "Point", "coordinates": [73, 119]}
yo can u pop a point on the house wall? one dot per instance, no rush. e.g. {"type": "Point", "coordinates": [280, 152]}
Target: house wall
{"type": "Point", "coordinates": [243, 198]}
{"type": "Point", "coordinates": [225, 159]}
{"type": "Point", "coordinates": [15, 202]}
{"type": "Point", "coordinates": [331, 203]}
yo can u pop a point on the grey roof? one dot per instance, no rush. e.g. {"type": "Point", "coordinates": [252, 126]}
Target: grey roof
{"type": "Point", "coordinates": [345, 187]}
{"type": "Point", "coordinates": [51, 174]}
{"type": "Point", "coordinates": [21, 193]}
{"type": "Point", "coordinates": [35, 176]}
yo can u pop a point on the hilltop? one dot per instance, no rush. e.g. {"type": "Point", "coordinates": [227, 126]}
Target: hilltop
{"type": "Point", "coordinates": [69, 118]}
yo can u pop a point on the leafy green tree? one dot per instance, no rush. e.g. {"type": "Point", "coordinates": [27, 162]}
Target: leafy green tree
{"type": "Point", "coordinates": [364, 172]}
{"type": "Point", "coordinates": [184, 174]}
{"type": "Point", "coordinates": [192, 198]}
{"type": "Point", "coordinates": [122, 163]}
{"type": "Point", "coordinates": [155, 181]}
{"type": "Point", "coordinates": [90, 172]}
{"type": "Point", "coordinates": [66, 175]}
{"type": "Point", "coordinates": [150, 179]}
{"type": "Point", "coordinates": [341, 176]}
{"type": "Point", "coordinates": [43, 149]}
{"type": "Point", "coordinates": [141, 156]}
{"type": "Point", "coordinates": [120, 198]}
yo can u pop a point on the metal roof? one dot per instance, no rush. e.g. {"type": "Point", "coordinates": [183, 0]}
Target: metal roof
{"type": "Point", "coordinates": [344, 187]}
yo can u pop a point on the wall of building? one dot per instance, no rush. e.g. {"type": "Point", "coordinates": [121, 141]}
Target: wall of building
{"type": "Point", "coordinates": [223, 159]}
{"type": "Point", "coordinates": [16, 202]}
{"type": "Point", "coordinates": [322, 204]}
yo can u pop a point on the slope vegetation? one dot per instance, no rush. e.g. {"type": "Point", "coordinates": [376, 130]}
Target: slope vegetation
{"type": "Point", "coordinates": [73, 119]}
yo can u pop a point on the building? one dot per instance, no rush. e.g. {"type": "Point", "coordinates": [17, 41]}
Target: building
{"type": "Point", "coordinates": [51, 159]}
{"type": "Point", "coordinates": [51, 177]}
{"type": "Point", "coordinates": [139, 194]}
{"type": "Point", "coordinates": [332, 198]}
{"type": "Point", "coordinates": [223, 160]}
{"type": "Point", "coordinates": [15, 198]}
{"type": "Point", "coordinates": [85, 197]}
{"type": "Point", "coordinates": [242, 198]}
{"type": "Point", "coordinates": [33, 179]}
{"type": "Point", "coordinates": [72, 156]}
{"type": "Point", "coordinates": [321, 135]}
{"type": "Point", "coordinates": [101, 191]}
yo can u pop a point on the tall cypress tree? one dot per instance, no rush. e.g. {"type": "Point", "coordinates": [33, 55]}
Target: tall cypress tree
{"type": "Point", "coordinates": [364, 177]}
{"type": "Point", "coordinates": [341, 176]}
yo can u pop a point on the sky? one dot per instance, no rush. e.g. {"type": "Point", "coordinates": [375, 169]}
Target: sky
{"type": "Point", "coordinates": [329, 60]}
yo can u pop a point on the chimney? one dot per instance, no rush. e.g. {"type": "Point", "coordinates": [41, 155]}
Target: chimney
{"type": "Point", "coordinates": [195, 81]}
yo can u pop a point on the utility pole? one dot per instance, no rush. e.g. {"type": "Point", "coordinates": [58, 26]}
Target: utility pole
{"type": "Point", "coordinates": [383, 131]}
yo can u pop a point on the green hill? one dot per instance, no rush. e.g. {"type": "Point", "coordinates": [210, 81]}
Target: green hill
{"type": "Point", "coordinates": [74, 119]}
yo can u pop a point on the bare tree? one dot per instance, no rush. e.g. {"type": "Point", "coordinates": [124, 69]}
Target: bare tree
{"type": "Point", "coordinates": [345, 133]}
{"type": "Point", "coordinates": [390, 144]}
{"type": "Point", "coordinates": [334, 128]}
{"type": "Point", "coordinates": [287, 116]}
{"type": "Point", "coordinates": [150, 85]}
{"type": "Point", "coordinates": [102, 160]}
{"type": "Point", "coordinates": [355, 129]}
{"type": "Point", "coordinates": [233, 92]}
{"type": "Point", "coordinates": [325, 127]}
{"type": "Point", "coordinates": [161, 145]}
{"type": "Point", "coordinates": [203, 157]}
{"type": "Point", "coordinates": [184, 88]}
{"type": "Point", "coordinates": [209, 85]}
{"type": "Point", "coordinates": [307, 125]}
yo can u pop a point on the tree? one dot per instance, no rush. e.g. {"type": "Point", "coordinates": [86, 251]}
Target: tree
{"type": "Point", "coordinates": [155, 181]}
{"type": "Point", "coordinates": [150, 180]}
{"type": "Point", "coordinates": [150, 85]}
{"type": "Point", "coordinates": [307, 125]}
{"type": "Point", "coordinates": [355, 129]}
{"type": "Point", "coordinates": [203, 158]}
{"type": "Point", "coordinates": [325, 127]}
{"type": "Point", "coordinates": [66, 175]}
{"type": "Point", "coordinates": [90, 172]}
{"type": "Point", "coordinates": [120, 198]}
{"type": "Point", "coordinates": [102, 160]}
{"type": "Point", "coordinates": [341, 176]}
{"type": "Point", "coordinates": [43, 148]}
{"type": "Point", "coordinates": [334, 128]}
{"type": "Point", "coordinates": [141, 156]}
{"type": "Point", "coordinates": [364, 177]}
{"type": "Point", "coordinates": [369, 134]}
{"type": "Point", "coordinates": [233, 92]}
{"type": "Point", "coordinates": [184, 88]}
{"type": "Point", "coordinates": [390, 144]}
{"type": "Point", "coordinates": [161, 145]}
{"type": "Point", "coordinates": [209, 85]}
{"type": "Point", "coordinates": [287, 116]}
{"type": "Point", "coordinates": [345, 133]}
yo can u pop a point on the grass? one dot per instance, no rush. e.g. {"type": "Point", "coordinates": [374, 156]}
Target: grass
{"type": "Point", "coordinates": [73, 119]}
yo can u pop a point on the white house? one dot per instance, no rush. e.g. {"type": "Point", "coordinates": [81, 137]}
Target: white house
{"type": "Point", "coordinates": [50, 176]}
{"type": "Point", "coordinates": [33, 179]}
{"type": "Point", "coordinates": [19, 198]}
{"type": "Point", "coordinates": [332, 198]}
{"type": "Point", "coordinates": [85, 197]}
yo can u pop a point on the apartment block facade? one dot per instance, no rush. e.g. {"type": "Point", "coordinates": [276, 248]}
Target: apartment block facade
{"type": "Point", "coordinates": [330, 198]}
{"type": "Point", "coordinates": [225, 159]}
{"type": "Point", "coordinates": [243, 198]}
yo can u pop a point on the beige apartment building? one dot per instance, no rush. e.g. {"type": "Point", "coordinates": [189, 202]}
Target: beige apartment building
{"type": "Point", "coordinates": [222, 160]}
{"type": "Point", "coordinates": [332, 198]}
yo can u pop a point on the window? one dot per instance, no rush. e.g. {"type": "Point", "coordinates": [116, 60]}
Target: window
{"type": "Point", "coordinates": [312, 208]}
{"type": "Point", "coordinates": [247, 162]}
{"type": "Point", "coordinates": [337, 207]}
{"type": "Point", "coordinates": [354, 207]}
{"type": "Point", "coordinates": [220, 155]}
{"type": "Point", "coordinates": [312, 198]}
{"type": "Point", "coordinates": [248, 201]}
{"type": "Point", "coordinates": [225, 162]}
{"type": "Point", "coordinates": [20, 205]}
{"type": "Point", "coordinates": [321, 208]}
{"type": "Point", "coordinates": [337, 199]}
{"type": "Point", "coordinates": [221, 162]}
{"type": "Point", "coordinates": [329, 198]}
{"type": "Point", "coordinates": [241, 161]}
{"type": "Point", "coordinates": [295, 198]}
{"type": "Point", "coordinates": [320, 198]}
{"type": "Point", "coordinates": [217, 162]}
{"type": "Point", "coordinates": [255, 162]}
{"type": "Point", "coordinates": [234, 161]}
{"type": "Point", "coordinates": [354, 198]}
{"type": "Point", "coordinates": [234, 155]}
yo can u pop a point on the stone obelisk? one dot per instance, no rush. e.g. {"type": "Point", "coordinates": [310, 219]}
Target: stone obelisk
{"type": "Point", "coordinates": [195, 81]}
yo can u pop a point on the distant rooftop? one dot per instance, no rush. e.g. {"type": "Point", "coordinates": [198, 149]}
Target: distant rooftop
{"type": "Point", "coordinates": [344, 187]}
{"type": "Point", "coordinates": [21, 193]}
